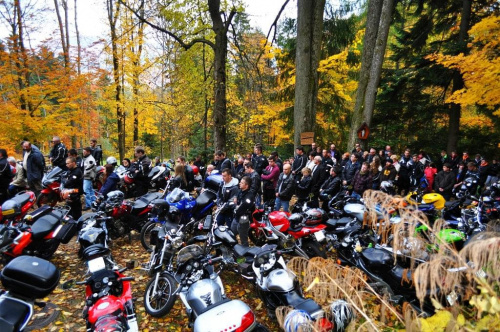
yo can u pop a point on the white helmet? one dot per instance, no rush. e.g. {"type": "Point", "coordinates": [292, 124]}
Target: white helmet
{"type": "Point", "coordinates": [298, 320]}
{"type": "Point", "coordinates": [342, 314]}
{"type": "Point", "coordinates": [112, 161]}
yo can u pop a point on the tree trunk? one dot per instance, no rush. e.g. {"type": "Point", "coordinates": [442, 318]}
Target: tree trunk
{"type": "Point", "coordinates": [458, 82]}
{"type": "Point", "coordinates": [220, 56]}
{"type": "Point", "coordinates": [112, 18]}
{"type": "Point", "coordinates": [78, 45]}
{"type": "Point", "coordinates": [136, 65]}
{"type": "Point", "coordinates": [309, 33]}
{"type": "Point", "coordinates": [371, 31]}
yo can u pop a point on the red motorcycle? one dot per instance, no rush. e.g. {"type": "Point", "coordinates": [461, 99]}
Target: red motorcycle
{"type": "Point", "coordinates": [51, 192]}
{"type": "Point", "coordinates": [16, 208]}
{"type": "Point", "coordinates": [109, 305]}
{"type": "Point", "coordinates": [126, 215]}
{"type": "Point", "coordinates": [303, 230]}
{"type": "Point", "coordinates": [40, 239]}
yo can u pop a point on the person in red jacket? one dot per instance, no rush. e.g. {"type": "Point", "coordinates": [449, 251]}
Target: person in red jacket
{"type": "Point", "coordinates": [269, 178]}
{"type": "Point", "coordinates": [430, 173]}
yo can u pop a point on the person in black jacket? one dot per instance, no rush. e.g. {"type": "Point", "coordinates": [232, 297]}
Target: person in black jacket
{"type": "Point", "coordinates": [188, 172]}
{"type": "Point", "coordinates": [303, 187]}
{"type": "Point", "coordinates": [223, 162]}
{"type": "Point", "coordinates": [34, 165]}
{"type": "Point", "coordinates": [226, 194]}
{"type": "Point", "coordinates": [330, 187]}
{"type": "Point", "coordinates": [141, 167]}
{"type": "Point", "coordinates": [243, 211]}
{"type": "Point", "coordinates": [259, 160]}
{"type": "Point", "coordinates": [318, 175]}
{"type": "Point", "coordinates": [58, 154]}
{"type": "Point", "coordinates": [255, 186]}
{"type": "Point", "coordinates": [299, 162]}
{"type": "Point", "coordinates": [73, 188]}
{"type": "Point", "coordinates": [5, 176]}
{"type": "Point", "coordinates": [350, 169]}
{"type": "Point", "coordinates": [96, 151]}
{"type": "Point", "coordinates": [444, 181]}
{"type": "Point", "coordinates": [284, 189]}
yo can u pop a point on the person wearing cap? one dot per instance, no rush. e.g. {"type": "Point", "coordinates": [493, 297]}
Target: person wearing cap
{"type": "Point", "coordinates": [89, 173]}
{"type": "Point", "coordinates": [389, 171]}
{"type": "Point", "coordinates": [444, 181]}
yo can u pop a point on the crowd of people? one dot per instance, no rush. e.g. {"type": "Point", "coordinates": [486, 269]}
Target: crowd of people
{"type": "Point", "coordinates": [251, 180]}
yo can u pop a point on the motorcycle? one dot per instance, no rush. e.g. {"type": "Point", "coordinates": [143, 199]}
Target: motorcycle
{"type": "Point", "coordinates": [202, 293]}
{"type": "Point", "coordinates": [180, 208]}
{"type": "Point", "coordinates": [25, 279]}
{"type": "Point", "coordinates": [305, 229]}
{"type": "Point", "coordinates": [158, 176]}
{"type": "Point", "coordinates": [109, 304]}
{"type": "Point", "coordinates": [278, 286]}
{"type": "Point", "coordinates": [40, 239]}
{"type": "Point", "coordinates": [126, 215]}
{"type": "Point", "coordinates": [51, 192]}
{"type": "Point", "coordinates": [17, 207]}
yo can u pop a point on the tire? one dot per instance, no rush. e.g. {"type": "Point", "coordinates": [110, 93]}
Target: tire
{"type": "Point", "coordinates": [109, 323]}
{"type": "Point", "coordinates": [160, 304]}
{"type": "Point", "coordinates": [313, 248]}
{"type": "Point", "coordinates": [257, 236]}
{"type": "Point", "coordinates": [146, 235]}
{"type": "Point", "coordinates": [48, 249]}
{"type": "Point", "coordinates": [44, 199]}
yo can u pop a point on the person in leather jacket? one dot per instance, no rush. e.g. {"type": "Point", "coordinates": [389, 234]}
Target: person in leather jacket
{"type": "Point", "coordinates": [142, 167]}
{"type": "Point", "coordinates": [259, 160]}
{"type": "Point", "coordinates": [331, 186]}
{"type": "Point", "coordinates": [284, 189]}
{"type": "Point", "coordinates": [243, 211]}
{"type": "Point", "coordinates": [58, 153]}
{"type": "Point", "coordinates": [73, 187]}
{"type": "Point", "coordinates": [228, 191]}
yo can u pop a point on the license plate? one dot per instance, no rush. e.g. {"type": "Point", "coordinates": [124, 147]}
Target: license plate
{"type": "Point", "coordinates": [320, 236]}
{"type": "Point", "coordinates": [96, 264]}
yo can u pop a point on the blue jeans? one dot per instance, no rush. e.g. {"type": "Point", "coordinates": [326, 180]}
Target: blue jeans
{"type": "Point", "coordinates": [89, 193]}
{"type": "Point", "coordinates": [278, 203]}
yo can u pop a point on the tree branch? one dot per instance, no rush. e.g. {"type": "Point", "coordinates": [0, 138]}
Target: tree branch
{"type": "Point", "coordinates": [178, 39]}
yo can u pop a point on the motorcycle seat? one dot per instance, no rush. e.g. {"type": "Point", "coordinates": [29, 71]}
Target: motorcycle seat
{"type": "Point", "coordinates": [399, 273]}
{"type": "Point", "coordinates": [308, 305]}
{"type": "Point", "coordinates": [21, 199]}
{"type": "Point", "coordinates": [142, 202]}
{"type": "Point", "coordinates": [451, 204]}
{"type": "Point", "coordinates": [377, 258]}
{"type": "Point", "coordinates": [246, 251]}
{"type": "Point", "coordinates": [338, 222]}
{"type": "Point", "coordinates": [45, 224]}
{"type": "Point", "coordinates": [12, 314]}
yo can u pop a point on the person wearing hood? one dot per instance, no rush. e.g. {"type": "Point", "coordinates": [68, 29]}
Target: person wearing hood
{"type": "Point", "coordinates": [430, 173]}
{"type": "Point", "coordinates": [227, 192]}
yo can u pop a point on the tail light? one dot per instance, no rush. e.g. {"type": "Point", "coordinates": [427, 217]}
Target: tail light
{"type": "Point", "coordinates": [246, 321]}
{"type": "Point", "coordinates": [324, 325]}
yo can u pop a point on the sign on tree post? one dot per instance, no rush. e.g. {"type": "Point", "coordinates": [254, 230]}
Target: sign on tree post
{"type": "Point", "coordinates": [307, 138]}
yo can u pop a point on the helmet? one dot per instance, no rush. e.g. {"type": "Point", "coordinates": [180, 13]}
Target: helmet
{"type": "Point", "coordinates": [314, 216]}
{"type": "Point", "coordinates": [115, 197]}
{"type": "Point", "coordinates": [295, 218]}
{"type": "Point", "coordinates": [195, 169]}
{"type": "Point", "coordinates": [111, 160]}
{"type": "Point", "coordinates": [342, 314]}
{"type": "Point", "coordinates": [298, 320]}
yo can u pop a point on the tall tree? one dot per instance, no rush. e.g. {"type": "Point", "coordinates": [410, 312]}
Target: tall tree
{"type": "Point", "coordinates": [309, 33]}
{"type": "Point", "coordinates": [379, 14]}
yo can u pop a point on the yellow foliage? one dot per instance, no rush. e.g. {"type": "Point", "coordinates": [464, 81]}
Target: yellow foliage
{"type": "Point", "coordinates": [480, 68]}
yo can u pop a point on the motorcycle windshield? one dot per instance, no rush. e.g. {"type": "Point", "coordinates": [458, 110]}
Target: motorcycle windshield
{"type": "Point", "coordinates": [55, 173]}
{"type": "Point", "coordinates": [176, 196]}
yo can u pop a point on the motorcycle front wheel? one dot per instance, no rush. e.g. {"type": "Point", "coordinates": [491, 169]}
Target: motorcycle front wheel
{"type": "Point", "coordinates": [159, 303]}
{"type": "Point", "coordinates": [313, 249]}
{"type": "Point", "coordinates": [146, 235]}
{"type": "Point", "coordinates": [44, 199]}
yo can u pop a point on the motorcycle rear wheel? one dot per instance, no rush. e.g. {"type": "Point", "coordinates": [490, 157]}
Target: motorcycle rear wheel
{"type": "Point", "coordinates": [313, 249]}
{"type": "Point", "coordinates": [43, 199]}
{"type": "Point", "coordinates": [160, 304]}
{"type": "Point", "coordinates": [48, 249]}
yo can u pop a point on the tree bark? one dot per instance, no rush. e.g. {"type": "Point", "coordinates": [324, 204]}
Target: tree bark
{"type": "Point", "coordinates": [112, 18]}
{"type": "Point", "coordinates": [220, 56]}
{"type": "Point", "coordinates": [136, 65]}
{"type": "Point", "coordinates": [78, 45]}
{"type": "Point", "coordinates": [309, 33]}
{"type": "Point", "coordinates": [371, 31]}
{"type": "Point", "coordinates": [458, 82]}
